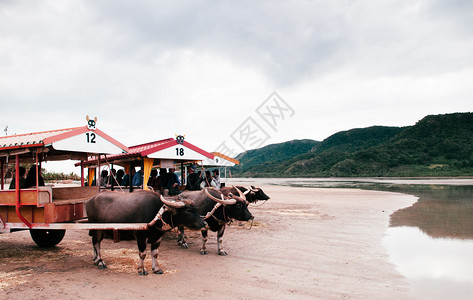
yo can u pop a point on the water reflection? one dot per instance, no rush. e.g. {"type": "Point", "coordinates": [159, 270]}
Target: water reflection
{"type": "Point", "coordinates": [441, 211]}
{"type": "Point", "coordinates": [420, 256]}
{"type": "Point", "coordinates": [438, 268]}
{"type": "Point", "coordinates": [430, 242]}
{"type": "Point", "coordinates": [444, 207]}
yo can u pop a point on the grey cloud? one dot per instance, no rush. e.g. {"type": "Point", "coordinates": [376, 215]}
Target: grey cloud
{"type": "Point", "coordinates": [291, 41]}
{"type": "Point", "coordinates": [285, 40]}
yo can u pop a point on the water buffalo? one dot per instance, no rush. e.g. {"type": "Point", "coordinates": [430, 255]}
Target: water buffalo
{"type": "Point", "coordinates": [252, 195]}
{"type": "Point", "coordinates": [140, 207]}
{"type": "Point", "coordinates": [218, 211]}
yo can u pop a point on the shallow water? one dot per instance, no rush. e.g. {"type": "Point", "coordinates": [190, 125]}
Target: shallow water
{"type": "Point", "coordinates": [437, 268]}
{"type": "Point", "coordinates": [430, 242]}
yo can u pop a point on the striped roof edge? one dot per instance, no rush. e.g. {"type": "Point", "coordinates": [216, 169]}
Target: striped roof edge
{"type": "Point", "coordinates": [233, 160]}
{"type": "Point", "coordinates": [145, 149]}
{"type": "Point", "coordinates": [44, 138]}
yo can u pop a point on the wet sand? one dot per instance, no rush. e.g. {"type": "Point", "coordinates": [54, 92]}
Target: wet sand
{"type": "Point", "coordinates": [306, 243]}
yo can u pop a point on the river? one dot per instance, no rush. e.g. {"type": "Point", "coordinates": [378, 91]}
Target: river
{"type": "Point", "coordinates": [430, 242]}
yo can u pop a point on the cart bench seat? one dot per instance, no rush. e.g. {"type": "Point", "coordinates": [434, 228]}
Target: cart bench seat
{"type": "Point", "coordinates": [48, 204]}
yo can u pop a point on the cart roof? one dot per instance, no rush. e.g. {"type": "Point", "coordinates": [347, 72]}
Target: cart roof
{"type": "Point", "coordinates": [69, 143]}
{"type": "Point", "coordinates": [220, 160]}
{"type": "Point", "coordinates": [168, 149]}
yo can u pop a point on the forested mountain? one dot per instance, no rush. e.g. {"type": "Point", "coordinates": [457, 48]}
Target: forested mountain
{"type": "Point", "coordinates": [437, 145]}
{"type": "Point", "coordinates": [271, 158]}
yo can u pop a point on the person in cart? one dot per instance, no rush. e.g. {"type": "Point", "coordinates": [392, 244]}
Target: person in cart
{"type": "Point", "coordinates": [216, 178]}
{"type": "Point", "coordinates": [22, 173]}
{"type": "Point", "coordinates": [30, 180]}
{"type": "Point", "coordinates": [173, 183]}
{"type": "Point", "coordinates": [193, 179]}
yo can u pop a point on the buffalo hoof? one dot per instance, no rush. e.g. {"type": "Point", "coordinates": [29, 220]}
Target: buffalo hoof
{"type": "Point", "coordinates": [184, 245]}
{"type": "Point", "coordinates": [203, 252]}
{"type": "Point", "coordinates": [142, 272]}
{"type": "Point", "coordinates": [101, 265]}
{"type": "Point", "coordinates": [222, 253]}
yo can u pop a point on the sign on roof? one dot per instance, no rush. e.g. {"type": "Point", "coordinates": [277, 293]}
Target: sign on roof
{"type": "Point", "coordinates": [87, 139]}
{"type": "Point", "coordinates": [220, 160]}
{"type": "Point", "coordinates": [90, 141]}
{"type": "Point", "coordinates": [179, 150]}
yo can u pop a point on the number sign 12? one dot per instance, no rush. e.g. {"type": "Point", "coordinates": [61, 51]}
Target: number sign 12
{"type": "Point", "coordinates": [90, 137]}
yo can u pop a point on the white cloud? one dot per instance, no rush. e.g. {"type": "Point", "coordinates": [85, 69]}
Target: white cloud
{"type": "Point", "coordinates": [150, 69]}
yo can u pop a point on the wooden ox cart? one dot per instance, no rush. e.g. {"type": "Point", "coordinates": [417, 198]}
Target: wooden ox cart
{"type": "Point", "coordinates": [47, 211]}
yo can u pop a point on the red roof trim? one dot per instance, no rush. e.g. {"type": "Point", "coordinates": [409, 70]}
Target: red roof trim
{"type": "Point", "coordinates": [198, 150]}
{"type": "Point", "coordinates": [171, 142]}
{"type": "Point", "coordinates": [111, 140]}
{"type": "Point", "coordinates": [134, 151]}
{"type": "Point", "coordinates": [79, 130]}
{"type": "Point", "coordinates": [39, 132]}
{"type": "Point", "coordinates": [22, 146]}
{"type": "Point", "coordinates": [230, 159]}
{"type": "Point", "coordinates": [45, 138]}
{"type": "Point", "coordinates": [65, 135]}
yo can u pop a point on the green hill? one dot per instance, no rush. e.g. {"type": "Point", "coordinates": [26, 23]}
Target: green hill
{"type": "Point", "coordinates": [438, 145]}
{"type": "Point", "coordinates": [272, 158]}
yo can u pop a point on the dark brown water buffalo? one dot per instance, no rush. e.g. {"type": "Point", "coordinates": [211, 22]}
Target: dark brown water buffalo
{"type": "Point", "coordinates": [252, 195]}
{"type": "Point", "coordinates": [218, 211]}
{"type": "Point", "coordinates": [140, 207]}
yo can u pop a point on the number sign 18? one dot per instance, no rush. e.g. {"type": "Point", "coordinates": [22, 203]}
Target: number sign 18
{"type": "Point", "coordinates": [180, 151]}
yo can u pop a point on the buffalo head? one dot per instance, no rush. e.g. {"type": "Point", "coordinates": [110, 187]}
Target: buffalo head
{"type": "Point", "coordinates": [235, 207]}
{"type": "Point", "coordinates": [182, 212]}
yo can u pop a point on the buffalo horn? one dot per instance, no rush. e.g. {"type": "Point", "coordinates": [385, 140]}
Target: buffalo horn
{"type": "Point", "coordinates": [221, 201]}
{"type": "Point", "coordinates": [174, 204]}
{"type": "Point", "coordinates": [239, 192]}
{"type": "Point", "coordinates": [254, 189]}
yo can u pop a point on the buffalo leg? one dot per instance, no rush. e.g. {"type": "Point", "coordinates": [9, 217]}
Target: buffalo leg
{"type": "Point", "coordinates": [203, 250]}
{"type": "Point", "coordinates": [97, 237]}
{"type": "Point", "coordinates": [220, 241]}
{"type": "Point", "coordinates": [154, 256]}
{"type": "Point", "coordinates": [181, 238]}
{"type": "Point", "coordinates": [141, 241]}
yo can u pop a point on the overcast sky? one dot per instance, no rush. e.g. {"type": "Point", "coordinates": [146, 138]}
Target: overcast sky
{"type": "Point", "coordinates": [212, 70]}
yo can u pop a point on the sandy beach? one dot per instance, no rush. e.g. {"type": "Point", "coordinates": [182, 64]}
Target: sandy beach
{"type": "Point", "coordinates": [306, 243]}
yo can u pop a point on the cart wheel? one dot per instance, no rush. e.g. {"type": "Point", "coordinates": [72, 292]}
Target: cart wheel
{"type": "Point", "coordinates": [47, 237]}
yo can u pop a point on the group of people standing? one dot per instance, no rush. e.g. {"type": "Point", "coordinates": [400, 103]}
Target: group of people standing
{"type": "Point", "coordinates": [195, 181]}
{"type": "Point", "coordinates": [166, 180]}
{"type": "Point", "coordinates": [29, 181]}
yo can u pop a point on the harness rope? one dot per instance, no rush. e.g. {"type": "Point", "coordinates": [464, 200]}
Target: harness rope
{"type": "Point", "coordinates": [211, 214]}
{"type": "Point", "coordinates": [111, 173]}
{"type": "Point", "coordinates": [258, 205]}
{"type": "Point", "coordinates": [159, 216]}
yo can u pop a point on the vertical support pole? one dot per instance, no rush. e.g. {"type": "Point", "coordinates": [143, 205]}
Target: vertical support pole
{"type": "Point", "coordinates": [81, 173]}
{"type": "Point", "coordinates": [17, 176]}
{"type": "Point", "coordinates": [112, 178]}
{"type": "Point", "coordinates": [17, 191]}
{"type": "Point", "coordinates": [130, 179]}
{"type": "Point", "coordinates": [97, 182]}
{"type": "Point", "coordinates": [37, 177]}
{"type": "Point", "coordinates": [1, 174]}
{"type": "Point", "coordinates": [183, 174]}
